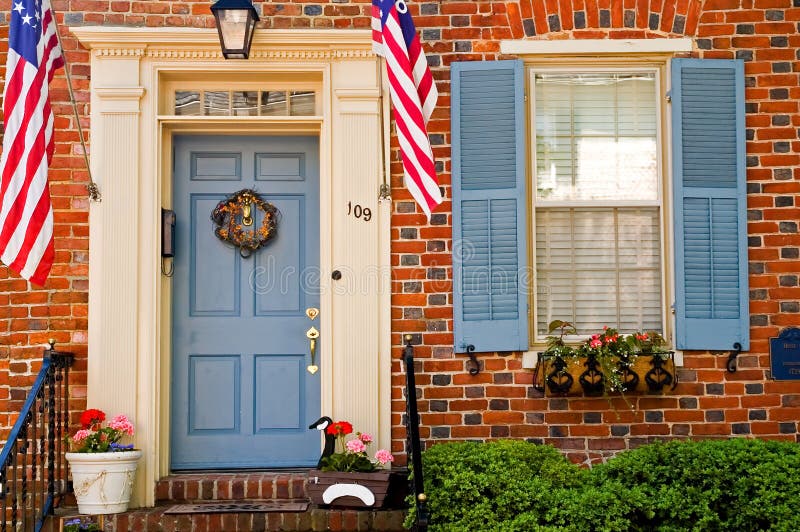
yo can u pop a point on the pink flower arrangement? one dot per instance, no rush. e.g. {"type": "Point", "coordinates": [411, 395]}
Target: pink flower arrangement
{"type": "Point", "coordinates": [353, 455]}
{"type": "Point", "coordinates": [122, 424]}
{"type": "Point", "coordinates": [355, 446]}
{"type": "Point", "coordinates": [384, 457]}
{"type": "Point", "coordinates": [81, 435]}
{"type": "Point", "coordinates": [94, 438]}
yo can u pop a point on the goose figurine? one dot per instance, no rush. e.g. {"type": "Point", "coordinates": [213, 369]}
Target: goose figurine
{"type": "Point", "coordinates": [330, 440]}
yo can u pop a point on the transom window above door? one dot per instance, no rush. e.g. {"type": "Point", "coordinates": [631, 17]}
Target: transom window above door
{"type": "Point", "coordinates": [245, 103]}
{"type": "Point", "coordinates": [597, 200]}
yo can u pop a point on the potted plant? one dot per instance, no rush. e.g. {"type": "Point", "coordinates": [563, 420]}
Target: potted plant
{"type": "Point", "coordinates": [346, 475]}
{"type": "Point", "coordinates": [606, 362]}
{"type": "Point", "coordinates": [81, 523]}
{"type": "Point", "coordinates": [103, 469]}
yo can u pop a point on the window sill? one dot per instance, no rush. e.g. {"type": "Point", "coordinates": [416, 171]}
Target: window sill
{"type": "Point", "coordinates": [530, 358]}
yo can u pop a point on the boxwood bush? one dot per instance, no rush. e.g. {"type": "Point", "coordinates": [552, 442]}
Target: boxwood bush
{"type": "Point", "coordinates": [736, 485]}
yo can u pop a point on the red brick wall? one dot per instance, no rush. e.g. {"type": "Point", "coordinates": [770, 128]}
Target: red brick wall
{"type": "Point", "coordinates": [30, 315]}
{"type": "Point", "coordinates": [709, 402]}
{"type": "Point", "coordinates": [500, 401]}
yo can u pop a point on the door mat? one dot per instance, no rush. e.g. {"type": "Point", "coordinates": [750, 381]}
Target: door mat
{"type": "Point", "coordinates": [238, 507]}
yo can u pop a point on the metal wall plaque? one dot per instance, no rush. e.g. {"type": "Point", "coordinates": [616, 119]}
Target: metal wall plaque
{"type": "Point", "coordinates": [784, 354]}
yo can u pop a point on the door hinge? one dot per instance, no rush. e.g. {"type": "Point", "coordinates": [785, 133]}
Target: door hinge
{"type": "Point", "coordinates": [668, 97]}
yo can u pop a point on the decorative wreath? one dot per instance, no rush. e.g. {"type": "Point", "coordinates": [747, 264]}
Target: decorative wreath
{"type": "Point", "coordinates": [235, 221]}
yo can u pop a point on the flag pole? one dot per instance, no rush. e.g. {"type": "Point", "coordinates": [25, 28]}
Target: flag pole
{"type": "Point", "coordinates": [91, 187]}
{"type": "Point", "coordinates": [385, 194]}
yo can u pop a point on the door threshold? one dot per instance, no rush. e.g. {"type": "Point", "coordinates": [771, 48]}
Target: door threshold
{"type": "Point", "coordinates": [277, 470]}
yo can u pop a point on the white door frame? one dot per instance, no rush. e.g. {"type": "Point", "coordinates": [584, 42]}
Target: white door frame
{"type": "Point", "coordinates": [129, 299]}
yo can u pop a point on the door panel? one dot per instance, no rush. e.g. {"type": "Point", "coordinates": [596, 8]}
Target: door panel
{"type": "Point", "coordinates": [241, 395]}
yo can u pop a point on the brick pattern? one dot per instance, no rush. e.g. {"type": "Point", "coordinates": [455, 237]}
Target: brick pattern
{"type": "Point", "coordinates": [500, 401]}
{"type": "Point", "coordinates": [709, 402]}
{"type": "Point", "coordinates": [206, 487]}
{"type": "Point", "coordinates": [316, 520]}
{"type": "Point", "coordinates": [598, 19]}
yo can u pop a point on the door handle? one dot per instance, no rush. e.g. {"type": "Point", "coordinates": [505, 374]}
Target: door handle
{"type": "Point", "coordinates": [312, 334]}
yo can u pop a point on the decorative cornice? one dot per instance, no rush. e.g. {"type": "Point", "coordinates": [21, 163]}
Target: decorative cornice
{"type": "Point", "coordinates": [119, 93]}
{"type": "Point", "coordinates": [119, 52]}
{"type": "Point", "coordinates": [162, 53]}
{"type": "Point", "coordinates": [119, 100]}
{"type": "Point", "coordinates": [201, 43]}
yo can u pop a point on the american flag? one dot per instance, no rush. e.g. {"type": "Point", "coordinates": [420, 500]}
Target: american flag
{"type": "Point", "coordinates": [413, 96]}
{"type": "Point", "coordinates": [26, 216]}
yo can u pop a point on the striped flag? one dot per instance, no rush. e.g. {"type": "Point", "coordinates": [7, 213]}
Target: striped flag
{"type": "Point", "coordinates": [413, 94]}
{"type": "Point", "coordinates": [26, 216]}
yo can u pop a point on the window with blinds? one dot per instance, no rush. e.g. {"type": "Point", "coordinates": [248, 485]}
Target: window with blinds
{"type": "Point", "coordinates": [597, 201]}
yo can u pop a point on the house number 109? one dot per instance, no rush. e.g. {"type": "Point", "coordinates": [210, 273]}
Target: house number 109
{"type": "Point", "coordinates": [358, 211]}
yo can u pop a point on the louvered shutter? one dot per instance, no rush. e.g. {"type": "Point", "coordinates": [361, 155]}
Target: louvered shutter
{"type": "Point", "coordinates": [709, 199]}
{"type": "Point", "coordinates": [490, 292]}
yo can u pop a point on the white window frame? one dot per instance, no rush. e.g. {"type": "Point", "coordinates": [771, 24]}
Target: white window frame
{"type": "Point", "coordinates": [659, 66]}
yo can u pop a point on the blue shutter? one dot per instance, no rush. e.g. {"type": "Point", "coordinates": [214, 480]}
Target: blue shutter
{"type": "Point", "coordinates": [490, 226]}
{"type": "Point", "coordinates": [709, 200]}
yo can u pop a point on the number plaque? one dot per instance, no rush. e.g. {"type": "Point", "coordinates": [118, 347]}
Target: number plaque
{"type": "Point", "coordinates": [784, 354]}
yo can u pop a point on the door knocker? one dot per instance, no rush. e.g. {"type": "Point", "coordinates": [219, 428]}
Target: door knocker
{"type": "Point", "coordinates": [236, 221]}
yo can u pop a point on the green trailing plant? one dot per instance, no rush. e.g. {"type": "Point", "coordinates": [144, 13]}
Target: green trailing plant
{"type": "Point", "coordinates": [608, 355]}
{"type": "Point", "coordinates": [81, 524]}
{"type": "Point", "coordinates": [721, 485]}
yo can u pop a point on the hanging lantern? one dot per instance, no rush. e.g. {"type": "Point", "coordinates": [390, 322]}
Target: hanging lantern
{"type": "Point", "coordinates": [236, 20]}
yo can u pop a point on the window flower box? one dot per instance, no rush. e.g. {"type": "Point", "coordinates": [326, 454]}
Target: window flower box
{"type": "Point", "coordinates": [606, 363]}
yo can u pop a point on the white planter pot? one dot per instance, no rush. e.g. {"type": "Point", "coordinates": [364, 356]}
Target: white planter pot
{"type": "Point", "coordinates": [103, 481]}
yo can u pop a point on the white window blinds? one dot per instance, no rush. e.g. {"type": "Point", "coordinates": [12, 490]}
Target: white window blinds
{"type": "Point", "coordinates": [597, 202]}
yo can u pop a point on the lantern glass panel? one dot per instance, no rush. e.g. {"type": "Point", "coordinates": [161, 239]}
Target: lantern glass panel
{"type": "Point", "coordinates": [233, 25]}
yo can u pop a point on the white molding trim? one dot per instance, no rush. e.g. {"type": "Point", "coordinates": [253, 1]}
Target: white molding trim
{"type": "Point", "coordinates": [596, 46]}
{"type": "Point", "coordinates": [202, 43]}
{"type": "Point", "coordinates": [130, 301]}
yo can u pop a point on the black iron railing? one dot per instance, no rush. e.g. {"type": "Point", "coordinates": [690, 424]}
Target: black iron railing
{"type": "Point", "coordinates": [413, 447]}
{"type": "Point", "coordinates": [33, 473]}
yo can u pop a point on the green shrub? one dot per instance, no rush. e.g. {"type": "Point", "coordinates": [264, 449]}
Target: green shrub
{"type": "Point", "coordinates": [482, 486]}
{"type": "Point", "coordinates": [728, 485]}
{"type": "Point", "coordinates": [732, 484]}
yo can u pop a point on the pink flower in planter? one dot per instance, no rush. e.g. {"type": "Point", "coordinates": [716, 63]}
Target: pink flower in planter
{"type": "Point", "coordinates": [81, 435]}
{"type": "Point", "coordinates": [355, 446]}
{"type": "Point", "coordinates": [122, 424]}
{"type": "Point", "coordinates": [384, 457]}
{"type": "Point", "coordinates": [366, 438]}
{"type": "Point", "coordinates": [595, 343]}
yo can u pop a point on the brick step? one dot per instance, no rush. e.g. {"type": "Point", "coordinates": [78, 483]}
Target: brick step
{"type": "Point", "coordinates": [313, 520]}
{"type": "Point", "coordinates": [199, 487]}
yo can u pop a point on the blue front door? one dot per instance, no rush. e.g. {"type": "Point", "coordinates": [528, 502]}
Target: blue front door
{"type": "Point", "coordinates": [241, 394]}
